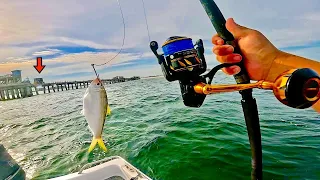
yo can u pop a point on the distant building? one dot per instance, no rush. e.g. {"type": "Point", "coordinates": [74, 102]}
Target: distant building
{"type": "Point", "coordinates": [119, 79]}
{"type": "Point", "coordinates": [38, 81]}
{"type": "Point", "coordinates": [16, 74]}
{"type": "Point", "coordinates": [14, 77]}
{"type": "Point", "coordinates": [133, 78]}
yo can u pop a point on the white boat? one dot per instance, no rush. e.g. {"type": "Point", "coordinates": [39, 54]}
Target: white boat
{"type": "Point", "coordinates": [111, 168]}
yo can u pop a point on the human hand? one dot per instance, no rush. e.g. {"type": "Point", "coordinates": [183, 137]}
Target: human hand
{"type": "Point", "coordinates": [258, 53]}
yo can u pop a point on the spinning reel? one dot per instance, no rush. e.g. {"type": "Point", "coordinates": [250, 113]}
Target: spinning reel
{"type": "Point", "coordinates": [185, 62]}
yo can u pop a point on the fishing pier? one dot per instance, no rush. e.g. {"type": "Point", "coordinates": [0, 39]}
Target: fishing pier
{"type": "Point", "coordinates": [11, 86]}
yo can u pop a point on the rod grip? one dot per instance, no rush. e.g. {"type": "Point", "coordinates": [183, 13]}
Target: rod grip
{"type": "Point", "coordinates": [218, 22]}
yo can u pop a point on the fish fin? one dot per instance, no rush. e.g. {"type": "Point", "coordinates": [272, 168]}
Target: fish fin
{"type": "Point", "coordinates": [108, 110]}
{"type": "Point", "coordinates": [94, 143]}
{"type": "Point", "coordinates": [101, 144]}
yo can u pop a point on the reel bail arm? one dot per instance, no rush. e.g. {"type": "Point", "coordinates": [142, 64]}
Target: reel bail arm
{"type": "Point", "coordinates": [164, 67]}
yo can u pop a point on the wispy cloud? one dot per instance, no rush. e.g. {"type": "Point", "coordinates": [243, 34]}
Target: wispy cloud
{"type": "Point", "coordinates": [46, 52]}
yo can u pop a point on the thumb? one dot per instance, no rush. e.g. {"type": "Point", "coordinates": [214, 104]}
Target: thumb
{"type": "Point", "coordinates": [235, 29]}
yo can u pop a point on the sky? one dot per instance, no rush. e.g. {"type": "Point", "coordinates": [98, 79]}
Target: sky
{"type": "Point", "coordinates": [71, 35]}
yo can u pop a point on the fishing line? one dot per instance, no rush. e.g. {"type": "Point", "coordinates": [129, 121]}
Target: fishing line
{"type": "Point", "coordinates": [123, 40]}
{"type": "Point", "coordinates": [94, 69]}
{"type": "Point", "coordinates": [146, 23]}
{"type": "Point", "coordinates": [124, 35]}
{"type": "Point", "coordinates": [145, 17]}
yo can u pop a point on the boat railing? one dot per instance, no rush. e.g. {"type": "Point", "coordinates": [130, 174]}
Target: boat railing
{"type": "Point", "coordinates": [97, 162]}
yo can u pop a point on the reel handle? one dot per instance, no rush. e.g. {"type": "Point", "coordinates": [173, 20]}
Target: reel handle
{"type": "Point", "coordinates": [296, 88]}
{"type": "Point", "coordinates": [218, 22]}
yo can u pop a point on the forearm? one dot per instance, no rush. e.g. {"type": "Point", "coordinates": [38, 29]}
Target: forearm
{"type": "Point", "coordinates": [287, 61]}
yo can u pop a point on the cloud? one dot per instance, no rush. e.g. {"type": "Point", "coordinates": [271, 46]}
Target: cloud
{"type": "Point", "coordinates": [313, 16]}
{"type": "Point", "coordinates": [86, 43]}
{"type": "Point", "coordinates": [46, 52]}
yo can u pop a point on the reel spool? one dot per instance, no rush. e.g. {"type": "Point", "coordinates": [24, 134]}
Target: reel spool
{"type": "Point", "coordinates": [185, 62]}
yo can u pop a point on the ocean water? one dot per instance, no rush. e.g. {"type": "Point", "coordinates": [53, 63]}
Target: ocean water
{"type": "Point", "coordinates": [152, 129]}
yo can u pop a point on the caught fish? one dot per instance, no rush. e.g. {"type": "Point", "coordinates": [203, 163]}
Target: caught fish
{"type": "Point", "coordinates": [95, 109]}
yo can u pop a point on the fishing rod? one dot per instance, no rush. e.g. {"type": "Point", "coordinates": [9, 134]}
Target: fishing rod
{"type": "Point", "coordinates": [249, 105]}
{"type": "Point", "coordinates": [184, 61]}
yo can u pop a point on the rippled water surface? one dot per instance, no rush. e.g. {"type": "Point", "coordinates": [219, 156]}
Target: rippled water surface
{"type": "Point", "coordinates": [152, 129]}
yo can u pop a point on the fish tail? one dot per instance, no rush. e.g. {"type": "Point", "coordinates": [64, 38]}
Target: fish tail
{"type": "Point", "coordinates": [94, 143]}
{"type": "Point", "coordinates": [101, 144]}
{"type": "Point", "coordinates": [108, 110]}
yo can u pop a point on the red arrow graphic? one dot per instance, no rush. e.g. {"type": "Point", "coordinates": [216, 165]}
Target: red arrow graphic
{"type": "Point", "coordinates": [39, 67]}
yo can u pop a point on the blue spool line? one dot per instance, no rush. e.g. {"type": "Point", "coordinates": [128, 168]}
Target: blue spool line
{"type": "Point", "coordinates": [177, 46]}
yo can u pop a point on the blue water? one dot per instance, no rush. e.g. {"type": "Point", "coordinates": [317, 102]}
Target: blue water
{"type": "Point", "coordinates": [152, 129]}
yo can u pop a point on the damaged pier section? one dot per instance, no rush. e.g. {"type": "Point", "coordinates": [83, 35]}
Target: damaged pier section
{"type": "Point", "coordinates": [18, 90]}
